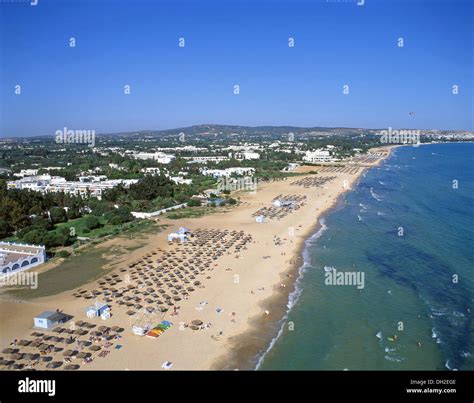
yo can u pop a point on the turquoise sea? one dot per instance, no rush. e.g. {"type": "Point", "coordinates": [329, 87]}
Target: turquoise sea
{"type": "Point", "coordinates": [410, 231]}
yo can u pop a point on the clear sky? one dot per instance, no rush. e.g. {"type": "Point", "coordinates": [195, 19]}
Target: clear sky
{"type": "Point", "coordinates": [227, 43]}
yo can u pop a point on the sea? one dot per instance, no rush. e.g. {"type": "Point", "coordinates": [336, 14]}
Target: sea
{"type": "Point", "coordinates": [407, 229]}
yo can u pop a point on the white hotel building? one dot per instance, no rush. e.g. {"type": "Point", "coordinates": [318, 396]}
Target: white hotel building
{"type": "Point", "coordinates": [317, 156]}
{"type": "Point", "coordinates": [159, 157]}
{"type": "Point", "coordinates": [17, 257]}
{"type": "Point", "coordinates": [56, 184]}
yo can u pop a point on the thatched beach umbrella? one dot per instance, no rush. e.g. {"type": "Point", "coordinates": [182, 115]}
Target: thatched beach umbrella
{"type": "Point", "coordinates": [94, 348]}
{"type": "Point", "coordinates": [24, 343]}
{"type": "Point", "coordinates": [71, 367]}
{"type": "Point", "coordinates": [54, 364]}
{"type": "Point", "coordinates": [10, 350]}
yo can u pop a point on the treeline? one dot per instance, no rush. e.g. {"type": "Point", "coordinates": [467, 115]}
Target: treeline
{"type": "Point", "coordinates": [155, 192]}
{"type": "Point", "coordinates": [33, 217]}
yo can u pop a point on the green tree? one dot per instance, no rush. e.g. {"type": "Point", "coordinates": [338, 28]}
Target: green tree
{"type": "Point", "coordinates": [92, 222]}
{"type": "Point", "coordinates": [58, 215]}
{"type": "Point", "coordinates": [5, 229]}
{"type": "Point", "coordinates": [35, 236]}
{"type": "Point", "coordinates": [194, 203]}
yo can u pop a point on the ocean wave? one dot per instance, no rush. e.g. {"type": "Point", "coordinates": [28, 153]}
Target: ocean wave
{"type": "Point", "coordinates": [359, 217]}
{"type": "Point", "coordinates": [439, 311]}
{"type": "Point", "coordinates": [374, 195]}
{"type": "Point", "coordinates": [379, 213]}
{"type": "Point", "coordinates": [394, 358]}
{"type": "Point", "coordinates": [449, 366]}
{"type": "Point", "coordinates": [295, 294]}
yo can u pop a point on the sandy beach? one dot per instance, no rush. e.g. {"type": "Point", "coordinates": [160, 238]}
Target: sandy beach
{"type": "Point", "coordinates": [239, 290]}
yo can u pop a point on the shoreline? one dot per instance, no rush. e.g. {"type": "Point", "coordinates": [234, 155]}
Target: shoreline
{"type": "Point", "coordinates": [249, 351]}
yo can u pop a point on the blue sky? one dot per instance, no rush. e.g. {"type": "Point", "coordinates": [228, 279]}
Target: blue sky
{"type": "Point", "coordinates": [229, 43]}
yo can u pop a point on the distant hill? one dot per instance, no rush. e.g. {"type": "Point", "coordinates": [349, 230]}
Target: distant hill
{"type": "Point", "coordinates": [215, 129]}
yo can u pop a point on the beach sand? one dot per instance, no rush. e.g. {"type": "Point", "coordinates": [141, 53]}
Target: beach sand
{"type": "Point", "coordinates": [246, 286]}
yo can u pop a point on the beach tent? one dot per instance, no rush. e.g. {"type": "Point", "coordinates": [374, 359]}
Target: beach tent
{"type": "Point", "coordinates": [98, 309]}
{"type": "Point", "coordinates": [183, 230]}
{"type": "Point", "coordinates": [174, 235]}
{"type": "Point", "coordinates": [260, 219]}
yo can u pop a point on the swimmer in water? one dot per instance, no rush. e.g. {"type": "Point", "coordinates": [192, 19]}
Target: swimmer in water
{"type": "Point", "coordinates": [418, 344]}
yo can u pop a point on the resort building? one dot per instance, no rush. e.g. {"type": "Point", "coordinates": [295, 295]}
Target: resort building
{"type": "Point", "coordinates": [247, 155]}
{"type": "Point", "coordinates": [151, 170]}
{"type": "Point", "coordinates": [49, 319]}
{"type": "Point", "coordinates": [204, 160]}
{"type": "Point", "coordinates": [93, 186]}
{"type": "Point", "coordinates": [159, 157]}
{"type": "Point", "coordinates": [26, 172]}
{"type": "Point", "coordinates": [318, 156]}
{"type": "Point", "coordinates": [218, 173]}
{"type": "Point", "coordinates": [179, 180]}
{"type": "Point", "coordinates": [17, 257]}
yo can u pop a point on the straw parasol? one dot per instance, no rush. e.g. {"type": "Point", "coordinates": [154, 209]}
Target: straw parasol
{"type": "Point", "coordinates": [94, 348]}
{"type": "Point", "coordinates": [197, 322]}
{"type": "Point", "coordinates": [54, 364]}
{"type": "Point", "coordinates": [71, 367]}
{"type": "Point", "coordinates": [24, 343]}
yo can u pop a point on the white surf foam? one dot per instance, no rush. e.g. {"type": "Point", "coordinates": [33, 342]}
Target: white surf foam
{"type": "Point", "coordinates": [295, 294]}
